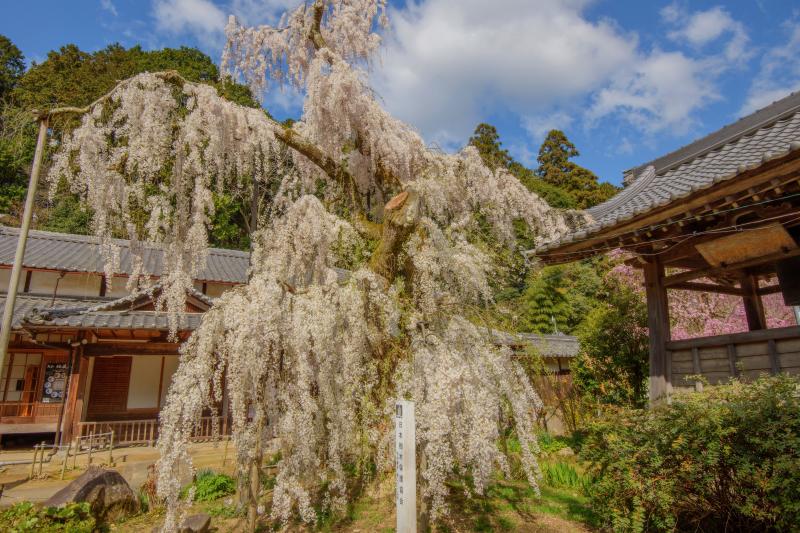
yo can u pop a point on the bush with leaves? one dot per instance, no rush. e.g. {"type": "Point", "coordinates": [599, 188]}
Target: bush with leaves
{"type": "Point", "coordinates": [727, 459]}
{"type": "Point", "coordinates": [558, 298]}
{"type": "Point", "coordinates": [209, 486]}
{"type": "Point", "coordinates": [26, 517]}
{"type": "Point", "coordinates": [613, 364]}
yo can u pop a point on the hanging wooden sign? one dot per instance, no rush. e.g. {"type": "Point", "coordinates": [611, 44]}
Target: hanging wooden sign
{"type": "Point", "coordinates": [54, 382]}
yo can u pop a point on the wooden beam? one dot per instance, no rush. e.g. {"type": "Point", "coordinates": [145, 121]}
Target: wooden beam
{"type": "Point", "coordinates": [753, 306]}
{"type": "Point", "coordinates": [658, 324]}
{"type": "Point", "coordinates": [779, 169]}
{"type": "Point", "coordinates": [789, 332]}
{"type": "Point", "coordinates": [706, 287]}
{"type": "Point", "coordinates": [712, 271]}
{"type": "Point", "coordinates": [772, 289]}
{"type": "Point", "coordinates": [131, 348]}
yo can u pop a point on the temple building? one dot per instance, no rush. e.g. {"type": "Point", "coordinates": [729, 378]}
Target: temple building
{"type": "Point", "coordinates": [84, 351]}
{"type": "Point", "coordinates": [88, 357]}
{"type": "Point", "coordinates": [719, 215]}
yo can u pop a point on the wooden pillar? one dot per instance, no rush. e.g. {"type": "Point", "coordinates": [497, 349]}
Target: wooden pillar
{"type": "Point", "coordinates": [753, 306]}
{"type": "Point", "coordinates": [76, 378]}
{"type": "Point", "coordinates": [658, 324]}
{"type": "Point", "coordinates": [76, 409]}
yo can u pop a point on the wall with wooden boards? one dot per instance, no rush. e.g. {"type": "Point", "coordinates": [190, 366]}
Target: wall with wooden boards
{"type": "Point", "coordinates": [742, 355]}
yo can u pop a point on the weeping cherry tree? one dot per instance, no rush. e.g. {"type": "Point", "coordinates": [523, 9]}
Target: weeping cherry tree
{"type": "Point", "coordinates": [371, 251]}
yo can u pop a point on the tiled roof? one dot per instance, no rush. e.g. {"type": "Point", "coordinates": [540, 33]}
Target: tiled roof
{"type": "Point", "coordinates": [83, 312]}
{"type": "Point", "coordinates": [26, 304]}
{"type": "Point", "coordinates": [81, 253]}
{"type": "Point", "coordinates": [545, 345]}
{"type": "Point", "coordinates": [121, 320]}
{"type": "Point", "coordinates": [90, 312]}
{"type": "Point", "coordinates": [770, 133]}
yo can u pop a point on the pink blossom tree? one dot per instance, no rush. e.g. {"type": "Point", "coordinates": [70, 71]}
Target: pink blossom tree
{"type": "Point", "coordinates": [704, 314]}
{"type": "Point", "coordinates": [370, 253]}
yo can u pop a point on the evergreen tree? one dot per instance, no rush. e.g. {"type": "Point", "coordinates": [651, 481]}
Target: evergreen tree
{"type": "Point", "coordinates": [73, 77]}
{"type": "Point", "coordinates": [487, 141]}
{"type": "Point", "coordinates": [558, 298]}
{"type": "Point", "coordinates": [613, 364]}
{"type": "Point", "coordinates": [12, 65]}
{"type": "Point", "coordinates": [556, 169]}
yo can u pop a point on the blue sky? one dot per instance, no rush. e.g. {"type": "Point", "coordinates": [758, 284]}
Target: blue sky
{"type": "Point", "coordinates": [627, 80]}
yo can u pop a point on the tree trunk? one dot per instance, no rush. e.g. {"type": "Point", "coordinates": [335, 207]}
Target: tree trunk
{"type": "Point", "coordinates": [254, 477]}
{"type": "Point", "coordinates": [424, 520]}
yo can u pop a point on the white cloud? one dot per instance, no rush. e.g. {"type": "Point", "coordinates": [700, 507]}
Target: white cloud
{"type": "Point", "coordinates": [625, 146]}
{"type": "Point", "coordinates": [660, 92]}
{"type": "Point", "coordinates": [779, 73]}
{"type": "Point", "coordinates": [204, 17]}
{"type": "Point", "coordinates": [109, 6]}
{"type": "Point", "coordinates": [199, 17]}
{"type": "Point", "coordinates": [538, 126]}
{"type": "Point", "coordinates": [449, 64]}
{"type": "Point", "coordinates": [253, 12]}
{"type": "Point", "coordinates": [449, 61]}
{"type": "Point", "coordinates": [702, 28]}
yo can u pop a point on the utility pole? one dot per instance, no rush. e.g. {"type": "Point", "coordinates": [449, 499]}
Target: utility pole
{"type": "Point", "coordinates": [27, 214]}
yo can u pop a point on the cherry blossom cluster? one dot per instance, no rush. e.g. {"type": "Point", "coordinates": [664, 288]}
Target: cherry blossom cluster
{"type": "Point", "coordinates": [307, 355]}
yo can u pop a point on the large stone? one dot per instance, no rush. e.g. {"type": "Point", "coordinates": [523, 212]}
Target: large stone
{"type": "Point", "coordinates": [565, 452]}
{"type": "Point", "coordinates": [197, 523]}
{"type": "Point", "coordinates": [106, 491]}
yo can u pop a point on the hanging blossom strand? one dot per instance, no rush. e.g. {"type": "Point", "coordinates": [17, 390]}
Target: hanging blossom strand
{"type": "Point", "coordinates": [372, 247]}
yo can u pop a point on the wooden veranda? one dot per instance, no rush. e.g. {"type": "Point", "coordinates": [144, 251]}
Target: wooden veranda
{"type": "Point", "coordinates": [720, 215]}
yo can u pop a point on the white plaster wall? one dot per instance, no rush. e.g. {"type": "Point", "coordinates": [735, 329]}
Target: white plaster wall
{"type": "Point", "coordinates": [5, 277]}
{"type": "Point", "coordinates": [143, 387]}
{"type": "Point", "coordinates": [72, 284]}
{"type": "Point", "coordinates": [116, 289]}
{"type": "Point", "coordinates": [216, 289]}
{"type": "Point", "coordinates": [170, 366]}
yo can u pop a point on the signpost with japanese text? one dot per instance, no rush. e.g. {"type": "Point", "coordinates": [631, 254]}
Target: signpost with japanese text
{"type": "Point", "coordinates": [406, 462]}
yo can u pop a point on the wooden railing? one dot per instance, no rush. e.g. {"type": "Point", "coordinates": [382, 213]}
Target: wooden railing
{"type": "Point", "coordinates": [744, 355]}
{"type": "Point", "coordinates": [29, 409]}
{"type": "Point", "coordinates": [146, 431]}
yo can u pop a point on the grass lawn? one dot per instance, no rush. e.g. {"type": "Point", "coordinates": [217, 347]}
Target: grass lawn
{"type": "Point", "coordinates": [507, 506]}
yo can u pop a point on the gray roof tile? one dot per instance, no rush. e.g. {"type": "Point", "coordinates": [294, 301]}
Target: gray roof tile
{"type": "Point", "coordinates": [26, 304]}
{"type": "Point", "coordinates": [88, 312]}
{"type": "Point", "coordinates": [546, 345]}
{"type": "Point", "coordinates": [766, 134]}
{"type": "Point", "coordinates": [81, 253]}
{"type": "Point", "coordinates": [125, 320]}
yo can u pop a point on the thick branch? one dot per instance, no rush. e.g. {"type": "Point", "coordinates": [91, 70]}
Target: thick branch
{"type": "Point", "coordinates": [315, 34]}
{"type": "Point", "coordinates": [401, 215]}
{"type": "Point", "coordinates": [294, 140]}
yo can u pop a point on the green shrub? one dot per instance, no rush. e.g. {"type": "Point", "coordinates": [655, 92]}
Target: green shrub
{"type": "Point", "coordinates": [209, 486]}
{"type": "Point", "coordinates": [550, 443]}
{"type": "Point", "coordinates": [25, 517]}
{"type": "Point", "coordinates": [727, 459]}
{"type": "Point", "coordinates": [561, 474]}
